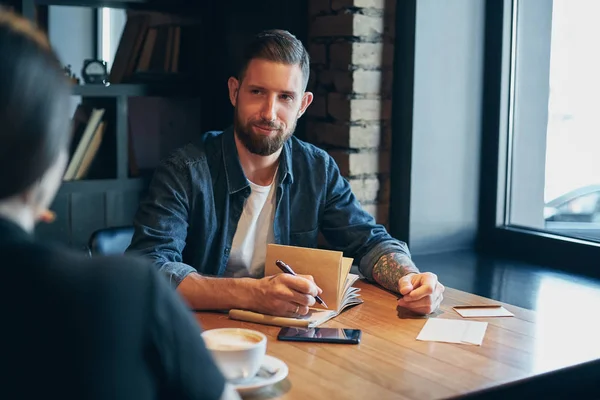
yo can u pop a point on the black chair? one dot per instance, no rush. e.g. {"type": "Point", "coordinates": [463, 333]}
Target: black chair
{"type": "Point", "coordinates": [108, 241]}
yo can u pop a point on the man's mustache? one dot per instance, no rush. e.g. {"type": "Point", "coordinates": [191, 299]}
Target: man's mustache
{"type": "Point", "coordinates": [267, 124]}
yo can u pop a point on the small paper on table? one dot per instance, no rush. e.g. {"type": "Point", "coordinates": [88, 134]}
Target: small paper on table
{"type": "Point", "coordinates": [482, 311]}
{"type": "Point", "coordinates": [453, 331]}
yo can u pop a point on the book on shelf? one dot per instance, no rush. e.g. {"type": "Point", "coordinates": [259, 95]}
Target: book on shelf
{"type": "Point", "coordinates": [331, 272]}
{"type": "Point", "coordinates": [147, 50]}
{"type": "Point", "coordinates": [88, 131]}
{"type": "Point", "coordinates": [128, 50]}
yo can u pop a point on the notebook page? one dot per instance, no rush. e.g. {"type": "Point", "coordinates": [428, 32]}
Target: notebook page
{"type": "Point", "coordinates": [317, 317]}
{"type": "Point", "coordinates": [352, 299]}
{"type": "Point", "coordinates": [344, 272]}
{"type": "Point", "coordinates": [323, 265]}
{"type": "Point", "coordinates": [350, 280]}
{"type": "Point", "coordinates": [351, 295]}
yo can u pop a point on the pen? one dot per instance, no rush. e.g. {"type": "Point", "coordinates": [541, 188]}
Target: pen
{"type": "Point", "coordinates": [286, 269]}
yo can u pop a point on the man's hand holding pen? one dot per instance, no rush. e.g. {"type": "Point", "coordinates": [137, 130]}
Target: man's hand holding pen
{"type": "Point", "coordinates": [285, 295]}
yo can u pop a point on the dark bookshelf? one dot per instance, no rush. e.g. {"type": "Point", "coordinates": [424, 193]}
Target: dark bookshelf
{"type": "Point", "coordinates": [100, 3]}
{"type": "Point", "coordinates": [135, 90]}
{"type": "Point", "coordinates": [161, 6]}
{"type": "Point", "coordinates": [103, 185]}
{"type": "Point", "coordinates": [111, 195]}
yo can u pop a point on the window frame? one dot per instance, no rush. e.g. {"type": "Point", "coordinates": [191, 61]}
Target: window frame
{"type": "Point", "coordinates": [494, 236]}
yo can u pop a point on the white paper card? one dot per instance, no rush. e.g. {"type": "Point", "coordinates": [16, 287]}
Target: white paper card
{"type": "Point", "coordinates": [453, 331]}
{"type": "Point", "coordinates": [482, 312]}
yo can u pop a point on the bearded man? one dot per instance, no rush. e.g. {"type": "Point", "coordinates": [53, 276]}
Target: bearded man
{"type": "Point", "coordinates": [213, 206]}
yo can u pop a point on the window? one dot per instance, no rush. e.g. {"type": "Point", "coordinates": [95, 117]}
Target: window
{"type": "Point", "coordinates": [111, 22]}
{"type": "Point", "coordinates": [554, 144]}
{"type": "Point", "coordinates": [540, 160]}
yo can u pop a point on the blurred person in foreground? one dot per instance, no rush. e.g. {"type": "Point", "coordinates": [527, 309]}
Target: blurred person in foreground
{"type": "Point", "coordinates": [107, 327]}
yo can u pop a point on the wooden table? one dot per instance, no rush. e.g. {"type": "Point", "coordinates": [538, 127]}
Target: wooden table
{"type": "Point", "coordinates": [390, 363]}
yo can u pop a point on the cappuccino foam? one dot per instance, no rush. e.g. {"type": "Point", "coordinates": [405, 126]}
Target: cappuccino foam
{"type": "Point", "coordinates": [231, 341]}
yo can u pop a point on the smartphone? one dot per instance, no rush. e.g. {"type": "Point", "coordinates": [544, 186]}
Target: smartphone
{"type": "Point", "coordinates": [320, 335]}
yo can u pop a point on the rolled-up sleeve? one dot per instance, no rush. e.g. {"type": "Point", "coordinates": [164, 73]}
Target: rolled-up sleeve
{"type": "Point", "coordinates": [161, 222]}
{"type": "Point", "coordinates": [349, 228]}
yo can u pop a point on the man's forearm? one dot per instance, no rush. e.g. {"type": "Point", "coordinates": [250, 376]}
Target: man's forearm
{"type": "Point", "coordinates": [390, 268]}
{"type": "Point", "coordinates": [207, 293]}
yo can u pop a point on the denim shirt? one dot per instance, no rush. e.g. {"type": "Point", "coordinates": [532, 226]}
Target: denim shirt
{"type": "Point", "coordinates": [188, 219]}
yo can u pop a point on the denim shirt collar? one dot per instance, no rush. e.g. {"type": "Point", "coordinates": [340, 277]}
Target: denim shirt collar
{"type": "Point", "coordinates": [236, 179]}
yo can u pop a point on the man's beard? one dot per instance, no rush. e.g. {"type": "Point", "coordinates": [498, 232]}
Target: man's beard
{"type": "Point", "coordinates": [261, 145]}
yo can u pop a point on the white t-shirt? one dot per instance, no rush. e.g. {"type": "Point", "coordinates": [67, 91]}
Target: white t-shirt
{"type": "Point", "coordinates": [254, 231]}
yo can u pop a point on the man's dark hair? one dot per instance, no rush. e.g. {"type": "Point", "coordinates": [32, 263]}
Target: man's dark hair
{"type": "Point", "coordinates": [278, 46]}
{"type": "Point", "coordinates": [34, 105]}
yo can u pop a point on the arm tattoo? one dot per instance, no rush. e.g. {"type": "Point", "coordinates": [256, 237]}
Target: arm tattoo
{"type": "Point", "coordinates": [390, 268]}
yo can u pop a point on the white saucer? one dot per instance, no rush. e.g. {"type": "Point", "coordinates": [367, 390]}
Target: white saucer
{"type": "Point", "coordinates": [272, 371]}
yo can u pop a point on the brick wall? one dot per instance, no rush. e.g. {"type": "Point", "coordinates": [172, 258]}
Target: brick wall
{"type": "Point", "coordinates": [351, 48]}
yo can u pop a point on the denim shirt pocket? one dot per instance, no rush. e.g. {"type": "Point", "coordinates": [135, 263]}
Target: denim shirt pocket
{"type": "Point", "coordinates": [305, 239]}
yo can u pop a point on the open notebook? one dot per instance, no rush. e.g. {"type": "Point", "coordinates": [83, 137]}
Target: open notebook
{"type": "Point", "coordinates": [331, 272]}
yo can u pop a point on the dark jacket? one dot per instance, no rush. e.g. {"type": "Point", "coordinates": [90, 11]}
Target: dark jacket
{"type": "Point", "coordinates": [101, 328]}
{"type": "Point", "coordinates": [195, 200]}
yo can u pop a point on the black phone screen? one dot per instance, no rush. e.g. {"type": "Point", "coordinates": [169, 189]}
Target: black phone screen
{"type": "Point", "coordinates": [322, 335]}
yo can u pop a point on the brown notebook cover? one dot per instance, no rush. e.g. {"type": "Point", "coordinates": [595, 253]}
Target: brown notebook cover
{"type": "Point", "coordinates": [331, 272]}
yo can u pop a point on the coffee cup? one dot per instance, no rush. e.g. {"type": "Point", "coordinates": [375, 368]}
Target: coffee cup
{"type": "Point", "coordinates": [238, 352]}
